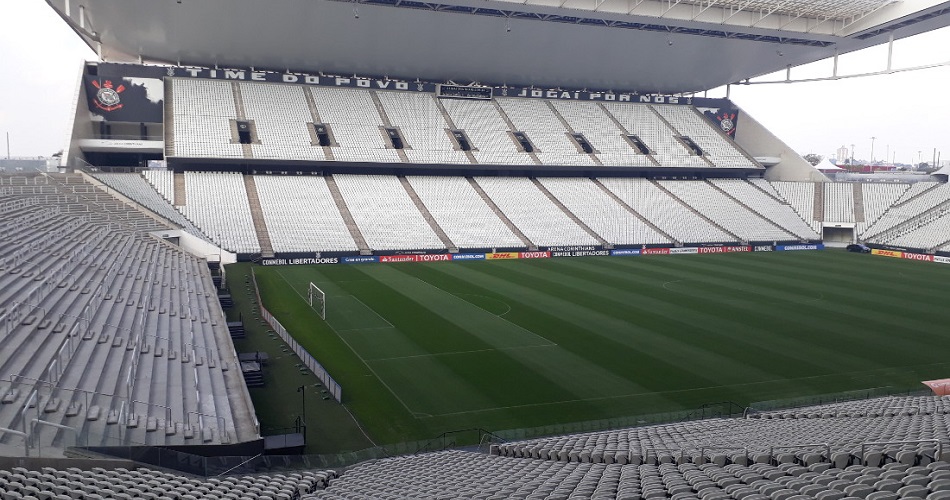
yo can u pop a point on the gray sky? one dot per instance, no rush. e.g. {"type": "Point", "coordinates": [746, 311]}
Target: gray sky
{"type": "Point", "coordinates": [907, 112]}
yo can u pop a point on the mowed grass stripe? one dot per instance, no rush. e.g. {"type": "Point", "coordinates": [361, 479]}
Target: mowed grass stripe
{"type": "Point", "coordinates": [435, 322]}
{"type": "Point", "coordinates": [725, 327]}
{"type": "Point", "coordinates": [579, 324]}
{"type": "Point", "coordinates": [658, 312]}
{"type": "Point", "coordinates": [815, 316]}
{"type": "Point", "coordinates": [547, 373]}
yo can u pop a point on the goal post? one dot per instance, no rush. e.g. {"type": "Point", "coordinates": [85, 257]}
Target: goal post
{"type": "Point", "coordinates": [318, 300]}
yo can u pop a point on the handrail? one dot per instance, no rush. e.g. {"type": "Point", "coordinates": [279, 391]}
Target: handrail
{"type": "Point", "coordinates": [826, 446]}
{"type": "Point", "coordinates": [37, 421]}
{"type": "Point", "coordinates": [240, 464]}
{"type": "Point", "coordinates": [25, 436]}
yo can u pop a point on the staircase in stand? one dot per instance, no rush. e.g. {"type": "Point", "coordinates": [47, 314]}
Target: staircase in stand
{"type": "Point", "coordinates": [697, 212]}
{"type": "Point", "coordinates": [858, 201]}
{"type": "Point", "coordinates": [257, 216]}
{"type": "Point", "coordinates": [512, 128]}
{"type": "Point", "coordinates": [501, 215]}
{"type": "Point", "coordinates": [169, 127]}
{"type": "Point", "coordinates": [351, 225]}
{"type": "Point", "coordinates": [570, 214]}
{"type": "Point", "coordinates": [436, 228]}
{"type": "Point", "coordinates": [633, 211]}
{"type": "Point", "coordinates": [180, 199]}
{"type": "Point", "coordinates": [819, 207]}
{"type": "Point", "coordinates": [382, 114]}
{"type": "Point", "coordinates": [752, 210]}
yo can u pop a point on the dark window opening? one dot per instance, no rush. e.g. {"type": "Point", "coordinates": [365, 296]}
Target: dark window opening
{"type": "Point", "coordinates": [582, 142]}
{"type": "Point", "coordinates": [698, 151]}
{"type": "Point", "coordinates": [323, 134]}
{"type": "Point", "coordinates": [522, 139]}
{"type": "Point", "coordinates": [462, 140]}
{"type": "Point", "coordinates": [244, 132]}
{"type": "Point", "coordinates": [395, 138]}
{"type": "Point", "coordinates": [638, 143]}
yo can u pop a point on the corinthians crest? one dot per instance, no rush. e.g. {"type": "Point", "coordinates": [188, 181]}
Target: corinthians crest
{"type": "Point", "coordinates": [107, 96]}
{"type": "Point", "coordinates": [727, 122]}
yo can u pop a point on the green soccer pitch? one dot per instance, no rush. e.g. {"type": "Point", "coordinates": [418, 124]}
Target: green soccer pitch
{"type": "Point", "coordinates": [422, 349]}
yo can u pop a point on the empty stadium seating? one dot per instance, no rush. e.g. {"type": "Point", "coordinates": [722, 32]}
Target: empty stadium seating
{"type": "Point", "coordinates": [301, 215]}
{"type": "Point", "coordinates": [456, 474]}
{"type": "Point", "coordinates": [307, 213]}
{"type": "Point", "coordinates": [357, 133]}
{"type": "Point", "coordinates": [725, 211]}
{"type": "Point", "coordinates": [203, 110]}
{"type": "Point", "coordinates": [585, 199]}
{"type": "Point", "coordinates": [83, 284]}
{"type": "Point", "coordinates": [204, 114]}
{"type": "Point", "coordinates": [281, 118]}
{"type": "Point", "coordinates": [533, 213]}
{"type": "Point", "coordinates": [467, 220]}
{"type": "Point", "coordinates": [386, 215]}
{"type": "Point", "coordinates": [720, 151]}
{"type": "Point", "coordinates": [915, 202]}
{"type": "Point", "coordinates": [122, 483]}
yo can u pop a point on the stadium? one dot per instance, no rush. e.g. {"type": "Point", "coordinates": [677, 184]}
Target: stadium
{"type": "Point", "coordinates": [466, 249]}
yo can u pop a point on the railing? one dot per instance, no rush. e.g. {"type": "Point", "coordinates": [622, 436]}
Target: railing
{"type": "Point", "coordinates": [825, 446]}
{"type": "Point", "coordinates": [305, 357]}
{"type": "Point", "coordinates": [939, 447]}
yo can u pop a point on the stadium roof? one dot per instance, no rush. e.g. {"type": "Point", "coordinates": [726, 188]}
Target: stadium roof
{"type": "Point", "coordinates": [666, 46]}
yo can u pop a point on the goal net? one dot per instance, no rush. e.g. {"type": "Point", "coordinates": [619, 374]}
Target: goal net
{"type": "Point", "coordinates": [318, 300]}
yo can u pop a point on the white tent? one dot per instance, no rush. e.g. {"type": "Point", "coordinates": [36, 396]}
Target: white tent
{"type": "Point", "coordinates": [827, 166]}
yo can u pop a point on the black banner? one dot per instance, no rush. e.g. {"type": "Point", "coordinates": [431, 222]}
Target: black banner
{"type": "Point", "coordinates": [134, 73]}
{"type": "Point", "coordinates": [726, 118]}
{"type": "Point", "coordinates": [125, 99]}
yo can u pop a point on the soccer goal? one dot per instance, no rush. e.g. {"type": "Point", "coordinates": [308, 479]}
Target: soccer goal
{"type": "Point", "coordinates": [318, 300]}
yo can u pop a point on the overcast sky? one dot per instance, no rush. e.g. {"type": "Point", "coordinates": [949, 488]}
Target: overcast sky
{"type": "Point", "coordinates": [906, 112]}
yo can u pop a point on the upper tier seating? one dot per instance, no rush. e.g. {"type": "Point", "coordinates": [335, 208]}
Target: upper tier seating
{"type": "Point", "coordinates": [422, 126]}
{"type": "Point", "coordinates": [281, 118]}
{"type": "Point", "coordinates": [641, 121]}
{"type": "Point", "coordinates": [202, 113]}
{"type": "Point", "coordinates": [487, 131]}
{"type": "Point", "coordinates": [602, 133]}
{"type": "Point", "coordinates": [721, 151]}
{"type": "Point", "coordinates": [546, 132]}
{"type": "Point", "coordinates": [356, 125]}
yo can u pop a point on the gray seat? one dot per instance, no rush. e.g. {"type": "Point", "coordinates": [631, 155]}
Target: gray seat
{"type": "Point", "coordinates": [913, 491]}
